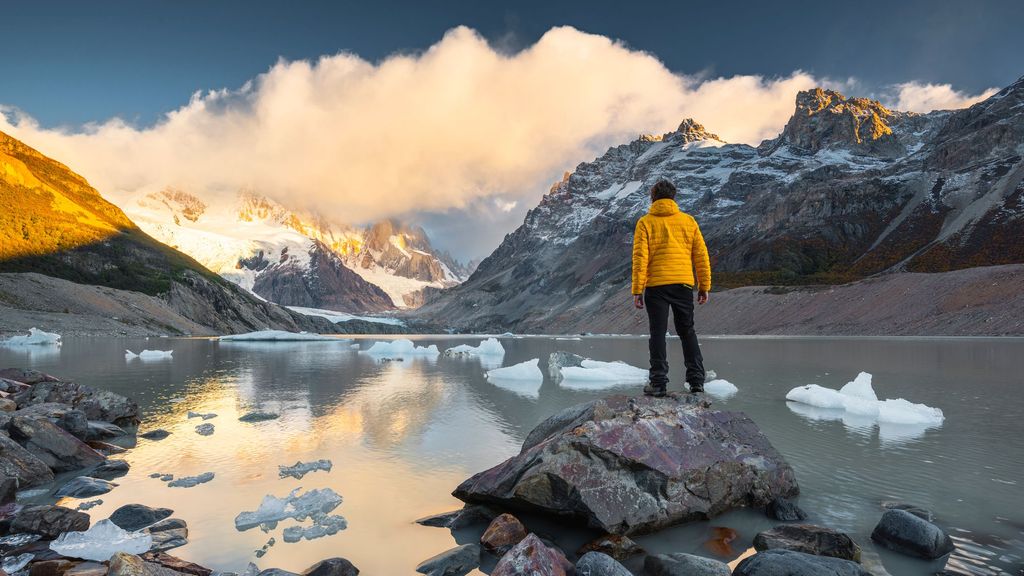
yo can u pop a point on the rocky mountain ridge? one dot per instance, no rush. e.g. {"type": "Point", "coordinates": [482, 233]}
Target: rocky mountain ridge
{"type": "Point", "coordinates": [849, 189]}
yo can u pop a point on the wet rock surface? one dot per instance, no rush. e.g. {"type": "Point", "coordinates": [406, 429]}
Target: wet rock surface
{"type": "Point", "coordinates": [331, 567]}
{"type": "Point", "coordinates": [455, 562]}
{"type": "Point", "coordinates": [790, 563]}
{"type": "Point", "coordinates": [810, 539]}
{"type": "Point", "coordinates": [502, 534]}
{"type": "Point", "coordinates": [684, 565]}
{"type": "Point", "coordinates": [785, 510]}
{"type": "Point", "coordinates": [84, 487]}
{"type": "Point", "coordinates": [534, 558]}
{"type": "Point", "coordinates": [617, 546]}
{"type": "Point", "coordinates": [903, 532]}
{"type": "Point", "coordinates": [627, 465]}
{"type": "Point", "coordinates": [598, 564]}
{"type": "Point", "coordinates": [133, 517]}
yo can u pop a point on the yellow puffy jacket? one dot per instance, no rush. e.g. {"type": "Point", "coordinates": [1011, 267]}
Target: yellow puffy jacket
{"type": "Point", "coordinates": [667, 245]}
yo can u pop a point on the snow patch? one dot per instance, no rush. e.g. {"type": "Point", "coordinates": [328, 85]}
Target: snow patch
{"type": "Point", "coordinates": [337, 317]}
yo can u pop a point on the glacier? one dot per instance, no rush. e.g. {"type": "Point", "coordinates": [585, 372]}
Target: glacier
{"type": "Point", "coordinates": [280, 336]}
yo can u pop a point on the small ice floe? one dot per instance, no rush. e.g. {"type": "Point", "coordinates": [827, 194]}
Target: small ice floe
{"type": "Point", "coordinates": [354, 346]}
{"type": "Point", "coordinates": [280, 336]}
{"type": "Point", "coordinates": [162, 477]}
{"type": "Point", "coordinates": [204, 416]}
{"type": "Point", "coordinates": [325, 525]}
{"type": "Point", "coordinates": [204, 429]}
{"type": "Point", "coordinates": [191, 481]}
{"type": "Point", "coordinates": [296, 506]}
{"type": "Point", "coordinates": [12, 564]}
{"type": "Point", "coordinates": [101, 541]}
{"type": "Point", "coordinates": [720, 388]}
{"type": "Point", "coordinates": [36, 337]}
{"type": "Point", "coordinates": [524, 379]}
{"type": "Point", "coordinates": [149, 355]}
{"type": "Point", "coordinates": [710, 374]}
{"type": "Point", "coordinates": [489, 347]}
{"type": "Point", "coordinates": [401, 348]}
{"type": "Point", "coordinates": [593, 374]}
{"type": "Point", "coordinates": [89, 504]}
{"type": "Point", "coordinates": [300, 469]}
{"type": "Point", "coordinates": [857, 405]}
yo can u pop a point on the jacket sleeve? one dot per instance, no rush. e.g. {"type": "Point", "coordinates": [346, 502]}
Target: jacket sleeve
{"type": "Point", "coordinates": [701, 261]}
{"type": "Point", "coordinates": [640, 257]}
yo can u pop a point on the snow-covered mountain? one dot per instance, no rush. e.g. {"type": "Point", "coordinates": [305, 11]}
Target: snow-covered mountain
{"type": "Point", "coordinates": [848, 189]}
{"type": "Point", "coordinates": [298, 259]}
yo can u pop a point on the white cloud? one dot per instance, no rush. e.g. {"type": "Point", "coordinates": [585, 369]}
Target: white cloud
{"type": "Point", "coordinates": [920, 97]}
{"type": "Point", "coordinates": [506, 205]}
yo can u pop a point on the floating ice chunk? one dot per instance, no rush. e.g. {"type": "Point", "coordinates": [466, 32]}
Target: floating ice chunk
{"type": "Point", "coordinates": [324, 525]}
{"type": "Point", "coordinates": [297, 506]}
{"type": "Point", "coordinates": [90, 504]}
{"type": "Point", "coordinates": [101, 541]}
{"type": "Point", "coordinates": [857, 405]}
{"type": "Point", "coordinates": [205, 416]}
{"type": "Point", "coordinates": [36, 337]}
{"type": "Point", "coordinates": [399, 348]}
{"type": "Point", "coordinates": [506, 334]}
{"type": "Point", "coordinates": [720, 388]}
{"type": "Point", "coordinates": [860, 387]}
{"type": "Point", "coordinates": [148, 354]}
{"type": "Point", "coordinates": [12, 564]}
{"type": "Point", "coordinates": [710, 374]}
{"type": "Point", "coordinates": [204, 429]}
{"type": "Point", "coordinates": [489, 347]}
{"type": "Point", "coordinates": [300, 469]}
{"type": "Point", "coordinates": [568, 338]}
{"type": "Point", "coordinates": [524, 379]}
{"type": "Point", "coordinates": [594, 373]}
{"type": "Point", "coordinates": [280, 336]}
{"type": "Point", "coordinates": [191, 481]}
{"type": "Point", "coordinates": [354, 346]}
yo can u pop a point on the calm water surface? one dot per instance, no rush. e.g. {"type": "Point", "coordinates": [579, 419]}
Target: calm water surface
{"type": "Point", "coordinates": [402, 435]}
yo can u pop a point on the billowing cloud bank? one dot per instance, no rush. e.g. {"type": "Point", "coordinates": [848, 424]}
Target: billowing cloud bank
{"type": "Point", "coordinates": [430, 132]}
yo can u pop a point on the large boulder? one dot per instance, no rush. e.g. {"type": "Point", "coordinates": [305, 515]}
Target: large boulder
{"type": "Point", "coordinates": [61, 451]}
{"type": "Point", "coordinates": [531, 557]}
{"type": "Point", "coordinates": [596, 563]}
{"type": "Point", "coordinates": [903, 532]}
{"type": "Point", "coordinates": [49, 521]}
{"type": "Point", "coordinates": [626, 465]}
{"type": "Point", "coordinates": [684, 565]}
{"type": "Point", "coordinates": [791, 563]}
{"type": "Point", "coordinates": [810, 539]}
{"type": "Point", "coordinates": [17, 462]}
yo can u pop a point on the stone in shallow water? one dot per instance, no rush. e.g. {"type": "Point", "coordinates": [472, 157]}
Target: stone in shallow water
{"type": "Point", "coordinates": [158, 434]}
{"type": "Point", "coordinates": [110, 469]}
{"type": "Point", "coordinates": [502, 534]}
{"type": "Point", "coordinates": [808, 538]}
{"type": "Point", "coordinates": [258, 417]}
{"type": "Point", "coordinates": [785, 510]}
{"type": "Point", "coordinates": [331, 567]}
{"type": "Point", "coordinates": [84, 487]}
{"type": "Point", "coordinates": [922, 513]}
{"type": "Point", "coordinates": [168, 534]}
{"type": "Point", "coordinates": [595, 563]}
{"type": "Point", "coordinates": [204, 429]}
{"type": "Point", "coordinates": [617, 546]}
{"type": "Point", "coordinates": [533, 557]}
{"type": "Point", "coordinates": [903, 532]}
{"type": "Point", "coordinates": [684, 565]}
{"type": "Point", "coordinates": [137, 516]}
{"type": "Point", "coordinates": [205, 416]}
{"type": "Point", "coordinates": [790, 563]}
{"type": "Point", "coordinates": [455, 562]}
{"type": "Point", "coordinates": [663, 461]}
{"type": "Point", "coordinates": [90, 504]}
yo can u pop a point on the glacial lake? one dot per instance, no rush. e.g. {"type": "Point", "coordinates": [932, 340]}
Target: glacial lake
{"type": "Point", "coordinates": [402, 435]}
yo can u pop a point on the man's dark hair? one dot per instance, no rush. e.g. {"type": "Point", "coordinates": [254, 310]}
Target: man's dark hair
{"type": "Point", "coordinates": [663, 189]}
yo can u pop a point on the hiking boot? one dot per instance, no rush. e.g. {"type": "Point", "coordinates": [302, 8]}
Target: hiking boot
{"type": "Point", "coordinates": [697, 388]}
{"type": "Point", "coordinates": [655, 390]}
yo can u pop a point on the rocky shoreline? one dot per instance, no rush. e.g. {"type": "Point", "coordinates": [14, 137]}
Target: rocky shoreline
{"type": "Point", "coordinates": [618, 465]}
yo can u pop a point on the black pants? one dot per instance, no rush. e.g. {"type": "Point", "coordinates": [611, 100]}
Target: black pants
{"type": "Point", "coordinates": [658, 301]}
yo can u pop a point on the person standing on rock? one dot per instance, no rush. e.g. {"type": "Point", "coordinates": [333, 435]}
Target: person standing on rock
{"type": "Point", "coordinates": [670, 259]}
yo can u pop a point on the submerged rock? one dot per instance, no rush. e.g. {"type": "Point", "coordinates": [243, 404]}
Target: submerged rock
{"type": "Point", "coordinates": [470, 515]}
{"type": "Point", "coordinates": [617, 546]}
{"type": "Point", "coordinates": [784, 510]}
{"type": "Point", "coordinates": [258, 417]}
{"type": "Point", "coordinates": [810, 539]}
{"type": "Point", "coordinates": [661, 461]}
{"type": "Point", "coordinates": [158, 434]}
{"type": "Point", "coordinates": [204, 429]}
{"type": "Point", "coordinates": [684, 565]}
{"type": "Point", "coordinates": [110, 469]}
{"type": "Point", "coordinates": [595, 563]}
{"type": "Point", "coordinates": [137, 516]}
{"type": "Point", "coordinates": [790, 563]}
{"type": "Point", "coordinates": [502, 534]}
{"type": "Point", "coordinates": [531, 557]}
{"type": "Point", "coordinates": [903, 532]}
{"type": "Point", "coordinates": [455, 562]}
{"type": "Point", "coordinates": [85, 487]}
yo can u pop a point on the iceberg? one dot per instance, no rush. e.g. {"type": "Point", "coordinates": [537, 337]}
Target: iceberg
{"type": "Point", "coordinates": [191, 481]}
{"type": "Point", "coordinates": [323, 525]}
{"type": "Point", "coordinates": [857, 405]}
{"type": "Point", "coordinates": [101, 541]}
{"type": "Point", "coordinates": [36, 337]}
{"type": "Point", "coordinates": [296, 506]}
{"type": "Point", "coordinates": [399, 348]}
{"type": "Point", "coordinates": [489, 347]}
{"type": "Point", "coordinates": [205, 416]}
{"type": "Point", "coordinates": [300, 469]}
{"type": "Point", "coordinates": [280, 336]}
{"type": "Point", "coordinates": [524, 379]}
{"type": "Point", "coordinates": [148, 354]}
{"type": "Point", "coordinates": [597, 374]}
{"type": "Point", "coordinates": [720, 388]}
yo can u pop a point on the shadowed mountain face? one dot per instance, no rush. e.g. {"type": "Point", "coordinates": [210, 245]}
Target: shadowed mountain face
{"type": "Point", "coordinates": [53, 223]}
{"type": "Point", "coordinates": [849, 189]}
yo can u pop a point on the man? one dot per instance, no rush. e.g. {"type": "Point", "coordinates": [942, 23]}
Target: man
{"type": "Point", "coordinates": [667, 246]}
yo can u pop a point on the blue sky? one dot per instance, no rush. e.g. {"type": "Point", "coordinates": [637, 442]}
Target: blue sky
{"type": "Point", "coordinates": [73, 62]}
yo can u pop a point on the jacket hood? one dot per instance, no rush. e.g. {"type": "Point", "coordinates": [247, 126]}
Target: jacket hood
{"type": "Point", "coordinates": [664, 207]}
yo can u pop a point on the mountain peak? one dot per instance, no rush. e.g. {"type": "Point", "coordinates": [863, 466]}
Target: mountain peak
{"type": "Point", "coordinates": [827, 119]}
{"type": "Point", "coordinates": [693, 131]}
